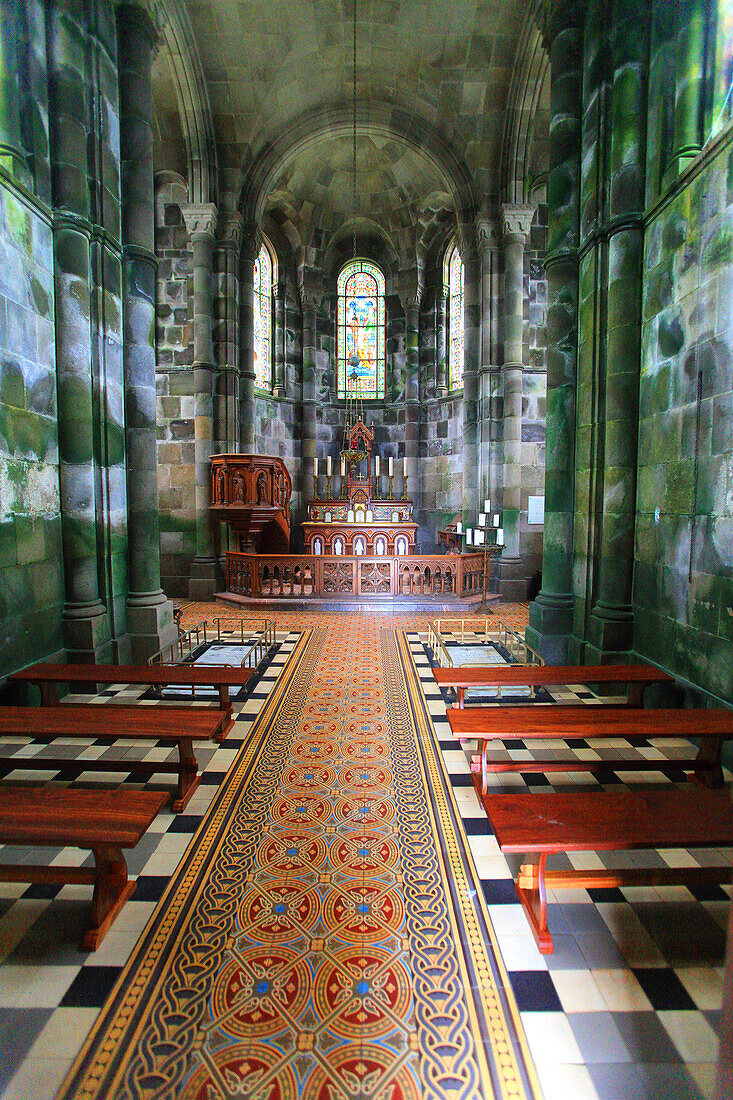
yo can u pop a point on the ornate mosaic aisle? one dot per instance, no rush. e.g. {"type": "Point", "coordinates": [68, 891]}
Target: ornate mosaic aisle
{"type": "Point", "coordinates": [324, 936]}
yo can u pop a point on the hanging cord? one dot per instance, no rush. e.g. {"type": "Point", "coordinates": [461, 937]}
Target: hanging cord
{"type": "Point", "coordinates": [695, 469]}
{"type": "Point", "coordinates": [353, 148]}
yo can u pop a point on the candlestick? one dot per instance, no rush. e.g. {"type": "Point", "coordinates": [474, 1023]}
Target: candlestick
{"type": "Point", "coordinates": [315, 467]}
{"type": "Point", "coordinates": [328, 490]}
{"type": "Point", "coordinates": [343, 467]}
{"type": "Point", "coordinates": [390, 475]}
{"type": "Point", "coordinates": [404, 486]}
{"type": "Point", "coordinates": [315, 486]}
{"type": "Point", "coordinates": [404, 467]}
{"type": "Point", "coordinates": [376, 465]}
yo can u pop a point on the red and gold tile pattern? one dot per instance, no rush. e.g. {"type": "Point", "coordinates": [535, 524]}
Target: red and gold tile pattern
{"type": "Point", "coordinates": [321, 937]}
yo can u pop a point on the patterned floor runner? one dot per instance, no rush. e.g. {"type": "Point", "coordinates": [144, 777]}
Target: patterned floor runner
{"type": "Point", "coordinates": [325, 935]}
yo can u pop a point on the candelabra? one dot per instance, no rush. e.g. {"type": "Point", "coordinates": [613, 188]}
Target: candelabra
{"type": "Point", "coordinates": [476, 537]}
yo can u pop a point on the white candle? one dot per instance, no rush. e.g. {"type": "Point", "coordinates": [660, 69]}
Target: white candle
{"type": "Point", "coordinates": [343, 467]}
{"type": "Point", "coordinates": [459, 528]}
{"type": "Point", "coordinates": [404, 467]}
{"type": "Point", "coordinates": [390, 467]}
{"type": "Point", "coordinates": [487, 505]}
{"type": "Point", "coordinates": [500, 537]}
{"type": "Point", "coordinates": [496, 519]}
{"type": "Point", "coordinates": [481, 519]}
{"type": "Point", "coordinates": [315, 467]}
{"type": "Point", "coordinates": [376, 465]}
{"type": "Point", "coordinates": [328, 465]}
{"type": "Point", "coordinates": [480, 536]}
{"type": "Point", "coordinates": [469, 537]}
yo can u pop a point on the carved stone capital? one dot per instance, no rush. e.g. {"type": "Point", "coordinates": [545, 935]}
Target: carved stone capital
{"type": "Point", "coordinates": [410, 292]}
{"type": "Point", "coordinates": [466, 241]}
{"type": "Point", "coordinates": [310, 289]}
{"type": "Point", "coordinates": [486, 234]}
{"type": "Point", "coordinates": [200, 219]}
{"type": "Point", "coordinates": [251, 238]}
{"type": "Point", "coordinates": [230, 231]}
{"type": "Point", "coordinates": [134, 19]}
{"type": "Point", "coordinates": [516, 220]}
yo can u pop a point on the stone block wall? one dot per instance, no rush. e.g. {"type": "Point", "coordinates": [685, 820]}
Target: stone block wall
{"type": "Point", "coordinates": [31, 575]}
{"type": "Point", "coordinates": [683, 582]}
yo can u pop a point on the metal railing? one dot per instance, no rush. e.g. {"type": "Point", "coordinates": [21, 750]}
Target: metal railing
{"type": "Point", "coordinates": [261, 632]}
{"type": "Point", "coordinates": [482, 632]}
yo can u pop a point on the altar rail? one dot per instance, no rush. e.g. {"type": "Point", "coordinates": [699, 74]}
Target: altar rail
{"type": "Point", "coordinates": [309, 576]}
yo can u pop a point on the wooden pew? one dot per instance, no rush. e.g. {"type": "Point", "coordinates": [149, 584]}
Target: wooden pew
{"type": "Point", "coordinates": [638, 677]}
{"type": "Point", "coordinates": [179, 726]}
{"type": "Point", "coordinates": [536, 723]}
{"type": "Point", "coordinates": [103, 821]}
{"type": "Point", "coordinates": [219, 677]}
{"type": "Point", "coordinates": [538, 825]}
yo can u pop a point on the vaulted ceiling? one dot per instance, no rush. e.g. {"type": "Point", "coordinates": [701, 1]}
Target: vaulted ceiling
{"type": "Point", "coordinates": [274, 68]}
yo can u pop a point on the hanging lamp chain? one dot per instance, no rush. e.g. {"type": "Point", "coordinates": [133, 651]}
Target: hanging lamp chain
{"type": "Point", "coordinates": [353, 150]}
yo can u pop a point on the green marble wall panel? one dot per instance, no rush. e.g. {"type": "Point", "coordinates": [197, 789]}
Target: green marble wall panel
{"type": "Point", "coordinates": [31, 578]}
{"type": "Point", "coordinates": [683, 588]}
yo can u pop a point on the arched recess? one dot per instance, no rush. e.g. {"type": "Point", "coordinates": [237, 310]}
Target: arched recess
{"type": "Point", "coordinates": [177, 38]}
{"type": "Point", "coordinates": [375, 117]}
{"type": "Point", "coordinates": [531, 70]}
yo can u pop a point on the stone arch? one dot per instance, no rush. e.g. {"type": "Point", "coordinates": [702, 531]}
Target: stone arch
{"type": "Point", "coordinates": [531, 71]}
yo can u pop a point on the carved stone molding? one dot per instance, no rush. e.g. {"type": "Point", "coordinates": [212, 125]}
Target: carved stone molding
{"type": "Point", "coordinates": [516, 220]}
{"type": "Point", "coordinates": [230, 231]}
{"type": "Point", "coordinates": [200, 219]}
{"type": "Point", "coordinates": [310, 289]}
{"type": "Point", "coordinates": [486, 233]}
{"type": "Point", "coordinates": [251, 242]}
{"type": "Point", "coordinates": [410, 292]}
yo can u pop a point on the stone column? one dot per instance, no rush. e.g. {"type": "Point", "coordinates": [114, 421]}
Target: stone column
{"type": "Point", "coordinates": [488, 359]}
{"type": "Point", "coordinates": [251, 244]}
{"type": "Point", "coordinates": [201, 225]}
{"type": "Point", "coordinates": [611, 623]}
{"type": "Point", "coordinates": [551, 613]}
{"type": "Point", "coordinates": [311, 292]}
{"type": "Point", "coordinates": [86, 625]}
{"type": "Point", "coordinates": [12, 154]}
{"type": "Point", "coordinates": [411, 296]}
{"type": "Point", "coordinates": [471, 333]}
{"type": "Point", "coordinates": [516, 223]}
{"type": "Point", "coordinates": [441, 341]}
{"type": "Point", "coordinates": [689, 77]}
{"type": "Point", "coordinates": [226, 418]}
{"type": "Point", "coordinates": [149, 612]}
{"type": "Point", "coordinates": [278, 390]}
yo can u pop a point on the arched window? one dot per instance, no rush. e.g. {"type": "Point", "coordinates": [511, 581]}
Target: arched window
{"type": "Point", "coordinates": [453, 276]}
{"type": "Point", "coordinates": [262, 336]}
{"type": "Point", "coordinates": [360, 334]}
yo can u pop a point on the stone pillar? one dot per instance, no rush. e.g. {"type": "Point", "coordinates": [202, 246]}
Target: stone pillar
{"type": "Point", "coordinates": [611, 623]}
{"type": "Point", "coordinates": [689, 77]}
{"type": "Point", "coordinates": [516, 223]}
{"type": "Point", "coordinates": [86, 627]}
{"type": "Point", "coordinates": [471, 334]}
{"type": "Point", "coordinates": [12, 154]}
{"type": "Point", "coordinates": [441, 341]}
{"type": "Point", "coordinates": [149, 612]}
{"type": "Point", "coordinates": [227, 432]}
{"type": "Point", "coordinates": [278, 390]}
{"type": "Point", "coordinates": [551, 613]}
{"type": "Point", "coordinates": [411, 296]}
{"type": "Point", "coordinates": [311, 292]}
{"type": "Point", "coordinates": [251, 244]}
{"type": "Point", "coordinates": [201, 225]}
{"type": "Point", "coordinates": [487, 248]}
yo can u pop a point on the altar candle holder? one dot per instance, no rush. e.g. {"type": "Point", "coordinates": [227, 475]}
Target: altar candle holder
{"type": "Point", "coordinates": [404, 487]}
{"type": "Point", "coordinates": [315, 486]}
{"type": "Point", "coordinates": [391, 479]}
{"type": "Point", "coordinates": [328, 490]}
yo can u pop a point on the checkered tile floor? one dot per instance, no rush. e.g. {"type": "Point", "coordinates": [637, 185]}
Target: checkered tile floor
{"type": "Point", "coordinates": [628, 1004]}
{"type": "Point", "coordinates": [50, 992]}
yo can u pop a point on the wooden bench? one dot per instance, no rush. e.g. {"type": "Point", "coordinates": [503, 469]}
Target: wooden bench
{"type": "Point", "coordinates": [179, 726]}
{"type": "Point", "coordinates": [537, 723]}
{"type": "Point", "coordinates": [218, 677]}
{"type": "Point", "coordinates": [638, 677]}
{"type": "Point", "coordinates": [103, 821]}
{"type": "Point", "coordinates": [538, 825]}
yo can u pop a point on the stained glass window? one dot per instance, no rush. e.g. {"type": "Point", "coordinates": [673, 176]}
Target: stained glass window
{"type": "Point", "coordinates": [455, 319]}
{"type": "Point", "coordinates": [263, 319]}
{"type": "Point", "coordinates": [360, 339]}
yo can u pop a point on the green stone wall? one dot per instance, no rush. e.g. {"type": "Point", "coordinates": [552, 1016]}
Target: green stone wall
{"type": "Point", "coordinates": [31, 578]}
{"type": "Point", "coordinates": [683, 588]}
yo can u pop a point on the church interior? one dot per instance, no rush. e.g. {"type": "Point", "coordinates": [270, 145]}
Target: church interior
{"type": "Point", "coordinates": [366, 549]}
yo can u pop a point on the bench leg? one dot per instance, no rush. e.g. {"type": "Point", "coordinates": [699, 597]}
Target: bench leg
{"type": "Point", "coordinates": [636, 694]}
{"type": "Point", "coordinates": [709, 766]}
{"type": "Point", "coordinates": [225, 705]}
{"type": "Point", "coordinates": [532, 893]}
{"type": "Point", "coordinates": [111, 891]}
{"type": "Point", "coordinates": [188, 775]}
{"type": "Point", "coordinates": [49, 695]}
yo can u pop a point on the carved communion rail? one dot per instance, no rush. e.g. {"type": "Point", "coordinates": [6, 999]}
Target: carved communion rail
{"type": "Point", "coordinates": [308, 576]}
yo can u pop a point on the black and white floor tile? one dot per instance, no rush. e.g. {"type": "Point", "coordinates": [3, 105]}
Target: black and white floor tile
{"type": "Point", "coordinates": [50, 991]}
{"type": "Point", "coordinates": [627, 1006]}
